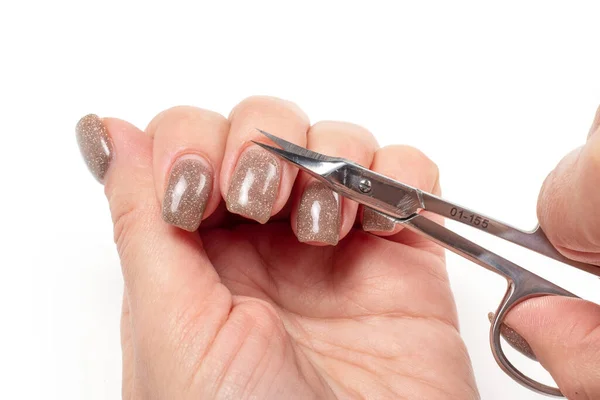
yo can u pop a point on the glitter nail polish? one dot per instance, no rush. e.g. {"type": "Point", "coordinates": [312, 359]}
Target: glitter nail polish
{"type": "Point", "coordinates": [254, 184]}
{"type": "Point", "coordinates": [319, 216]}
{"type": "Point", "coordinates": [95, 145]}
{"type": "Point", "coordinates": [374, 221]}
{"type": "Point", "coordinates": [188, 189]}
{"type": "Point", "coordinates": [515, 340]}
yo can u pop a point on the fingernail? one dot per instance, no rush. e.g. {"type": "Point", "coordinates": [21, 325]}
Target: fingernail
{"type": "Point", "coordinates": [515, 340]}
{"type": "Point", "coordinates": [95, 145]}
{"type": "Point", "coordinates": [374, 221]}
{"type": "Point", "coordinates": [596, 124]}
{"type": "Point", "coordinates": [188, 189]}
{"type": "Point", "coordinates": [254, 184]}
{"type": "Point", "coordinates": [318, 217]}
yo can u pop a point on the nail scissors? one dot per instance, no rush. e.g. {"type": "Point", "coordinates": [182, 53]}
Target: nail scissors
{"type": "Point", "coordinates": [403, 203]}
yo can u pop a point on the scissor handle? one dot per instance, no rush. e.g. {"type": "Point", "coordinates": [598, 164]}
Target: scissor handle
{"type": "Point", "coordinates": [527, 285]}
{"type": "Point", "coordinates": [522, 285]}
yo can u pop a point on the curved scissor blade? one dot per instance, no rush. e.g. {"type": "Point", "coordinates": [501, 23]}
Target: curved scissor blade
{"type": "Point", "coordinates": [346, 178]}
{"type": "Point", "coordinates": [315, 167]}
{"type": "Point", "coordinates": [294, 148]}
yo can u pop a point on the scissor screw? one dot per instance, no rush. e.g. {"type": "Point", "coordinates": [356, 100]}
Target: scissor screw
{"type": "Point", "coordinates": [364, 185]}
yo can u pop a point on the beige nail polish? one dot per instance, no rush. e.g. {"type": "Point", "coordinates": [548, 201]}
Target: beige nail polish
{"type": "Point", "coordinates": [374, 221]}
{"type": "Point", "coordinates": [515, 340]}
{"type": "Point", "coordinates": [95, 145]}
{"type": "Point", "coordinates": [319, 216]}
{"type": "Point", "coordinates": [188, 189]}
{"type": "Point", "coordinates": [254, 184]}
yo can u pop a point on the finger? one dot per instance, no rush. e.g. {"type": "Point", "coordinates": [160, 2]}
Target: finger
{"type": "Point", "coordinates": [188, 151]}
{"type": "Point", "coordinates": [407, 165]}
{"type": "Point", "coordinates": [162, 266]}
{"type": "Point", "coordinates": [569, 200]}
{"type": "Point", "coordinates": [255, 183]}
{"type": "Point", "coordinates": [410, 166]}
{"type": "Point", "coordinates": [320, 216]}
{"type": "Point", "coordinates": [564, 335]}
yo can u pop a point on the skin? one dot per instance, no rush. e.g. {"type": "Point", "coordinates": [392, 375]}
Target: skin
{"type": "Point", "coordinates": [243, 310]}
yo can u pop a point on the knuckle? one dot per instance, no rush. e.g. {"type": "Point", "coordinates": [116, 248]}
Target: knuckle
{"type": "Point", "coordinates": [182, 118]}
{"type": "Point", "coordinates": [260, 105]}
{"type": "Point", "coordinates": [348, 130]}
{"type": "Point", "coordinates": [130, 221]}
{"type": "Point", "coordinates": [408, 155]}
{"type": "Point", "coordinates": [343, 139]}
{"type": "Point", "coordinates": [122, 223]}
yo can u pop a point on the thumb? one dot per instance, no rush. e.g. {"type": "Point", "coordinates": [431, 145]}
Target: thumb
{"type": "Point", "coordinates": [564, 335]}
{"type": "Point", "coordinates": [570, 199]}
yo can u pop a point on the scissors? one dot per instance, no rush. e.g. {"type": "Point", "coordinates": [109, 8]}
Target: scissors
{"type": "Point", "coordinates": [403, 203]}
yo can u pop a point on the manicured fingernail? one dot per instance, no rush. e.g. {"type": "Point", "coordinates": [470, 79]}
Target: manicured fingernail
{"type": "Point", "coordinates": [596, 124]}
{"type": "Point", "coordinates": [188, 189]}
{"type": "Point", "coordinates": [318, 215]}
{"type": "Point", "coordinates": [95, 145]}
{"type": "Point", "coordinates": [374, 221]}
{"type": "Point", "coordinates": [515, 340]}
{"type": "Point", "coordinates": [254, 184]}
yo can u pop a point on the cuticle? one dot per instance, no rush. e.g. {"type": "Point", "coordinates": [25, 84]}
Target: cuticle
{"type": "Point", "coordinates": [180, 156]}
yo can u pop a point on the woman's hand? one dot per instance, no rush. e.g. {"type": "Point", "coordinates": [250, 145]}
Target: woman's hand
{"type": "Point", "coordinates": [271, 310]}
{"type": "Point", "coordinates": [564, 333]}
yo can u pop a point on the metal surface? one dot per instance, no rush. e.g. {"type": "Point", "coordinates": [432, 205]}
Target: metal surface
{"type": "Point", "coordinates": [534, 240]}
{"type": "Point", "coordinates": [403, 203]}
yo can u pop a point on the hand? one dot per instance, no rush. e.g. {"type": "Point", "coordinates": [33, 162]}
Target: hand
{"type": "Point", "coordinates": [564, 333]}
{"type": "Point", "coordinates": [271, 310]}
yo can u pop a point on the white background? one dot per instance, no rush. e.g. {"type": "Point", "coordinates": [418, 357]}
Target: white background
{"type": "Point", "coordinates": [495, 94]}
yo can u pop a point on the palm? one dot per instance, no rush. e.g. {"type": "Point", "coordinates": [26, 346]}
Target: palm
{"type": "Point", "coordinates": [367, 318]}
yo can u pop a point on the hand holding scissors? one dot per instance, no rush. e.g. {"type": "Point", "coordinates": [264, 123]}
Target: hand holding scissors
{"type": "Point", "coordinates": [404, 204]}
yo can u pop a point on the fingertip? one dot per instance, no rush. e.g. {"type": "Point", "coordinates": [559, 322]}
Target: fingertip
{"type": "Point", "coordinates": [95, 145]}
{"type": "Point", "coordinates": [568, 203]}
{"type": "Point", "coordinates": [104, 141]}
{"type": "Point", "coordinates": [132, 151]}
{"type": "Point", "coordinates": [377, 223]}
{"type": "Point", "coordinates": [188, 148]}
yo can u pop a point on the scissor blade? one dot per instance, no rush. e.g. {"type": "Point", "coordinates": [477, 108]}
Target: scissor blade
{"type": "Point", "coordinates": [315, 167]}
{"type": "Point", "coordinates": [293, 148]}
{"type": "Point", "coordinates": [348, 179]}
